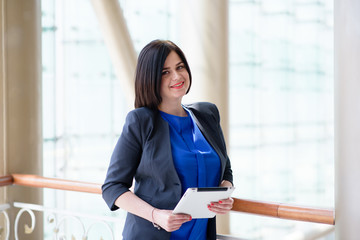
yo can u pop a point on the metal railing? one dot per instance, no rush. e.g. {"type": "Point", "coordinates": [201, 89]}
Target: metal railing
{"type": "Point", "coordinates": [277, 210]}
{"type": "Point", "coordinates": [269, 209]}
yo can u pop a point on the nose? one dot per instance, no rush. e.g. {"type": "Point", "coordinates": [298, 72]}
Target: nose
{"type": "Point", "coordinates": [175, 76]}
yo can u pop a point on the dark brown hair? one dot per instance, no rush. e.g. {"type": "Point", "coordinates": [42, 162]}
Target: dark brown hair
{"type": "Point", "coordinates": [148, 72]}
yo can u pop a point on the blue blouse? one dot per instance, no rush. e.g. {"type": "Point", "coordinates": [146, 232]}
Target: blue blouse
{"type": "Point", "coordinates": [196, 163]}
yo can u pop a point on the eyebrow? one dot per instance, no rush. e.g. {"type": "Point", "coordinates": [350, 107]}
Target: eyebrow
{"type": "Point", "coordinates": [179, 63]}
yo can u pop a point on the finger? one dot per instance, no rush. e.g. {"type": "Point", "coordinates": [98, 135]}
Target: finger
{"type": "Point", "coordinates": [172, 227]}
{"type": "Point", "coordinates": [221, 205]}
{"type": "Point", "coordinates": [181, 217]}
{"type": "Point", "coordinates": [226, 201]}
{"type": "Point", "coordinates": [175, 221]}
{"type": "Point", "coordinates": [218, 210]}
{"type": "Point", "coordinates": [178, 222]}
{"type": "Point", "coordinates": [175, 225]}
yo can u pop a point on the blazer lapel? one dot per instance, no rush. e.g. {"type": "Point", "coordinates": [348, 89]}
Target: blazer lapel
{"type": "Point", "coordinates": [212, 142]}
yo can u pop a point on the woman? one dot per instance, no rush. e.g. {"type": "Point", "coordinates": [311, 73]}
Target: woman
{"type": "Point", "coordinates": [166, 147]}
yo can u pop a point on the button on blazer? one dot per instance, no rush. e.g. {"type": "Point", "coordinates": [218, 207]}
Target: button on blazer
{"type": "Point", "coordinates": [143, 153]}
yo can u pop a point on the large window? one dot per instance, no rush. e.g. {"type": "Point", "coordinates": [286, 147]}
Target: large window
{"type": "Point", "coordinates": [84, 106]}
{"type": "Point", "coordinates": [280, 98]}
{"type": "Point", "coordinates": [281, 108]}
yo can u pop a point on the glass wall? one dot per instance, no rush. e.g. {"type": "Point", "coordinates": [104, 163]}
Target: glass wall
{"type": "Point", "coordinates": [83, 104]}
{"type": "Point", "coordinates": [280, 96]}
{"type": "Point", "coordinates": [281, 108]}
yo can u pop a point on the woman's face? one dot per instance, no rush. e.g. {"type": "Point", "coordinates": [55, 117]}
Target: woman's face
{"type": "Point", "coordinates": [175, 79]}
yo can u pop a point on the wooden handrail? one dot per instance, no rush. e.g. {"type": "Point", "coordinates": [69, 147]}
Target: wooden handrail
{"type": "Point", "coordinates": [6, 180]}
{"type": "Point", "coordinates": [285, 211]}
{"type": "Point", "coordinates": [55, 183]}
{"type": "Point", "coordinates": [277, 210]}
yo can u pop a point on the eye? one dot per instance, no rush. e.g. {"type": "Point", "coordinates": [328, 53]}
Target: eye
{"type": "Point", "coordinates": [164, 72]}
{"type": "Point", "coordinates": [180, 67]}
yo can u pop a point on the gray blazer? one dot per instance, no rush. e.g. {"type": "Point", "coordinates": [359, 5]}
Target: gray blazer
{"type": "Point", "coordinates": [143, 153]}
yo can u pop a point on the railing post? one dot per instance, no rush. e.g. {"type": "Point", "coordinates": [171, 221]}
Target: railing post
{"type": "Point", "coordinates": [207, 52]}
{"type": "Point", "coordinates": [347, 118]}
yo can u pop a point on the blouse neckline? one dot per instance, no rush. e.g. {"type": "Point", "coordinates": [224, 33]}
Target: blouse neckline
{"type": "Point", "coordinates": [179, 123]}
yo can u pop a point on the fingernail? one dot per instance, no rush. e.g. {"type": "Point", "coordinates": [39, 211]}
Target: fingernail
{"type": "Point", "coordinates": [220, 201]}
{"type": "Point", "coordinates": [212, 204]}
{"type": "Point", "coordinates": [190, 218]}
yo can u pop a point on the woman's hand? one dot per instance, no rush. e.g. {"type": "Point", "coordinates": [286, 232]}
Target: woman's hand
{"type": "Point", "coordinates": [222, 206]}
{"type": "Point", "coordinates": [169, 221]}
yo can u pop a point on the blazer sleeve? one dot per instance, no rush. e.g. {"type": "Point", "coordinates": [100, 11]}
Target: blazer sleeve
{"type": "Point", "coordinates": [124, 161]}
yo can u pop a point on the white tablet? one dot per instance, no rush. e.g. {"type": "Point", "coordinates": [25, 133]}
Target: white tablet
{"type": "Point", "coordinates": [195, 201]}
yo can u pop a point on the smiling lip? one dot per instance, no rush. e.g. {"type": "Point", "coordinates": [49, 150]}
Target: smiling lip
{"type": "Point", "coordinates": [178, 85]}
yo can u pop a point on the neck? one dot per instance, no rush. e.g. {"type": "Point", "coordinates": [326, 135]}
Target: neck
{"type": "Point", "coordinates": [173, 109]}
